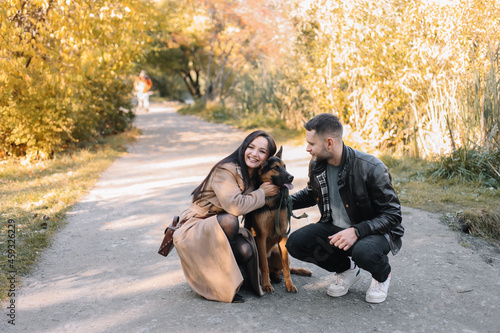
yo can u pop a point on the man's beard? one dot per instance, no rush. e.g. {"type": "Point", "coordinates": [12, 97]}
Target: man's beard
{"type": "Point", "coordinates": [322, 156]}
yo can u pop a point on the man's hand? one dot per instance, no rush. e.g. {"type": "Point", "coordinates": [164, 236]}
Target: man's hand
{"type": "Point", "coordinates": [344, 239]}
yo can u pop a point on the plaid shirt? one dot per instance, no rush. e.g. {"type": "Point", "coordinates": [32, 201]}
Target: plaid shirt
{"type": "Point", "coordinates": [325, 197]}
{"type": "Point", "coordinates": [372, 207]}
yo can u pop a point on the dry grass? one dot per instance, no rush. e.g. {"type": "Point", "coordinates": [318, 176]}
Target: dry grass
{"type": "Point", "coordinates": [36, 197]}
{"type": "Point", "coordinates": [468, 206]}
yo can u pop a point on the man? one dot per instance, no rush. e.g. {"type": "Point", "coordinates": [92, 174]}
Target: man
{"type": "Point", "coordinates": [360, 212]}
{"type": "Point", "coordinates": [142, 84]}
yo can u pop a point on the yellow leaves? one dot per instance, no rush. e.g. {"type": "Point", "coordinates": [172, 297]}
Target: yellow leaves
{"type": "Point", "coordinates": [41, 3]}
{"type": "Point", "coordinates": [53, 62]}
{"type": "Point", "coordinates": [384, 56]}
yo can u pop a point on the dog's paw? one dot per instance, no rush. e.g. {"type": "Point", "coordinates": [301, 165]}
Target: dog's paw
{"type": "Point", "coordinates": [291, 288]}
{"type": "Point", "coordinates": [268, 288]}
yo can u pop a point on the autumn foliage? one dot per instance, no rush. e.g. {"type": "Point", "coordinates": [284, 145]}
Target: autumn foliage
{"type": "Point", "coordinates": [410, 76]}
{"type": "Point", "coordinates": [415, 76]}
{"type": "Point", "coordinates": [63, 65]}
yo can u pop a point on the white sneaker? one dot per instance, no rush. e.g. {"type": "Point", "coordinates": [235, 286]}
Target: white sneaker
{"type": "Point", "coordinates": [377, 293]}
{"type": "Point", "coordinates": [343, 282]}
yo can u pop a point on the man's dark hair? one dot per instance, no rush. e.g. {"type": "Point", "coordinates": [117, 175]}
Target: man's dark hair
{"type": "Point", "coordinates": [324, 124]}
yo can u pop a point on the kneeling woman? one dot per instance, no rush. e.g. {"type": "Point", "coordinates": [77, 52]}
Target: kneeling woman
{"type": "Point", "coordinates": [211, 244]}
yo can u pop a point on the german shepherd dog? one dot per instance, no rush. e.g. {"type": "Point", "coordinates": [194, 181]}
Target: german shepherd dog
{"type": "Point", "coordinates": [261, 222]}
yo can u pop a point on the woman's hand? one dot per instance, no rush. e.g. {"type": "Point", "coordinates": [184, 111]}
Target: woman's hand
{"type": "Point", "coordinates": [269, 189]}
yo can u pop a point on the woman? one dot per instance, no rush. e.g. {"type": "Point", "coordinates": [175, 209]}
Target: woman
{"type": "Point", "coordinates": [211, 244]}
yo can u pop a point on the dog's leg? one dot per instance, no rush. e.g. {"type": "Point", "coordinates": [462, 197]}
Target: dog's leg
{"type": "Point", "coordinates": [264, 268]}
{"type": "Point", "coordinates": [285, 260]}
{"type": "Point", "coordinates": [275, 266]}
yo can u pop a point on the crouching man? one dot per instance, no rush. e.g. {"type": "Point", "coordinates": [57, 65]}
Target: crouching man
{"type": "Point", "coordinates": [360, 212]}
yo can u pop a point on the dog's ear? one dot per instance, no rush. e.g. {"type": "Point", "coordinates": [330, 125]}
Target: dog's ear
{"type": "Point", "coordinates": [278, 154]}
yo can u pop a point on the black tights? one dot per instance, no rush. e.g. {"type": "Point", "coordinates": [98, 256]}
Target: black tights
{"type": "Point", "coordinates": [242, 250]}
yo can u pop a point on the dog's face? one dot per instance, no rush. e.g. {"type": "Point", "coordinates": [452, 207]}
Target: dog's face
{"type": "Point", "coordinates": [274, 170]}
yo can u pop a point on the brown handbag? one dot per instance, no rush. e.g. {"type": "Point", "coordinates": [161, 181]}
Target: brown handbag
{"type": "Point", "coordinates": [168, 240]}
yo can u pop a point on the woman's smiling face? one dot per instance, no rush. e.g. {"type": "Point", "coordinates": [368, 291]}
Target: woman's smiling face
{"type": "Point", "coordinates": [256, 153]}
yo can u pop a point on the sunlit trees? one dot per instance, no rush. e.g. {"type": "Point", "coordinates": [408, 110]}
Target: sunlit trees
{"type": "Point", "coordinates": [62, 67]}
{"type": "Point", "coordinates": [216, 43]}
{"type": "Point", "coordinates": [397, 72]}
{"type": "Point", "coordinates": [414, 76]}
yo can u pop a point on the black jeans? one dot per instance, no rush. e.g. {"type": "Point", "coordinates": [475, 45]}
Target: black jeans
{"type": "Point", "coordinates": [310, 243]}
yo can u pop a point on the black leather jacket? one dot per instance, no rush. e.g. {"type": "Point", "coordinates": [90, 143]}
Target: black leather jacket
{"type": "Point", "coordinates": [366, 191]}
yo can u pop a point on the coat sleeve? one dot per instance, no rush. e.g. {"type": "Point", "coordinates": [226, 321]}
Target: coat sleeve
{"type": "Point", "coordinates": [231, 198]}
{"type": "Point", "coordinates": [303, 199]}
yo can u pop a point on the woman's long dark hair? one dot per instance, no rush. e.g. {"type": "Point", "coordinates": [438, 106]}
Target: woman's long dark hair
{"type": "Point", "coordinates": [238, 157]}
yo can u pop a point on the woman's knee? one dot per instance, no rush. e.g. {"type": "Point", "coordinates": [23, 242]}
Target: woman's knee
{"type": "Point", "coordinates": [246, 252]}
{"type": "Point", "coordinates": [230, 225]}
{"type": "Point", "coordinates": [242, 250]}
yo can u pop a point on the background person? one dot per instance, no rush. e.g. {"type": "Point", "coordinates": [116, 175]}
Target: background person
{"type": "Point", "coordinates": [360, 212]}
{"type": "Point", "coordinates": [142, 85]}
{"type": "Point", "coordinates": [211, 244]}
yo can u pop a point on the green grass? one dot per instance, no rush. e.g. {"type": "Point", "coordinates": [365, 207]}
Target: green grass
{"type": "Point", "coordinates": [36, 197]}
{"type": "Point", "coordinates": [469, 206]}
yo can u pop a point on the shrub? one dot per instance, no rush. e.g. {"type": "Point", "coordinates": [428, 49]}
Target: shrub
{"type": "Point", "coordinates": [474, 164]}
{"type": "Point", "coordinates": [62, 68]}
{"type": "Point", "coordinates": [483, 224]}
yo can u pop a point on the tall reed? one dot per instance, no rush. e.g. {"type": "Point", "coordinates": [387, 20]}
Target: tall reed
{"type": "Point", "coordinates": [477, 128]}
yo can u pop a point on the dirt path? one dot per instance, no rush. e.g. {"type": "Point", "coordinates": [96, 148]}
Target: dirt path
{"type": "Point", "coordinates": [103, 274]}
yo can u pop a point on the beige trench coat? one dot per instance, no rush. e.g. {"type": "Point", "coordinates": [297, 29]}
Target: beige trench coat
{"type": "Point", "coordinates": [207, 260]}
